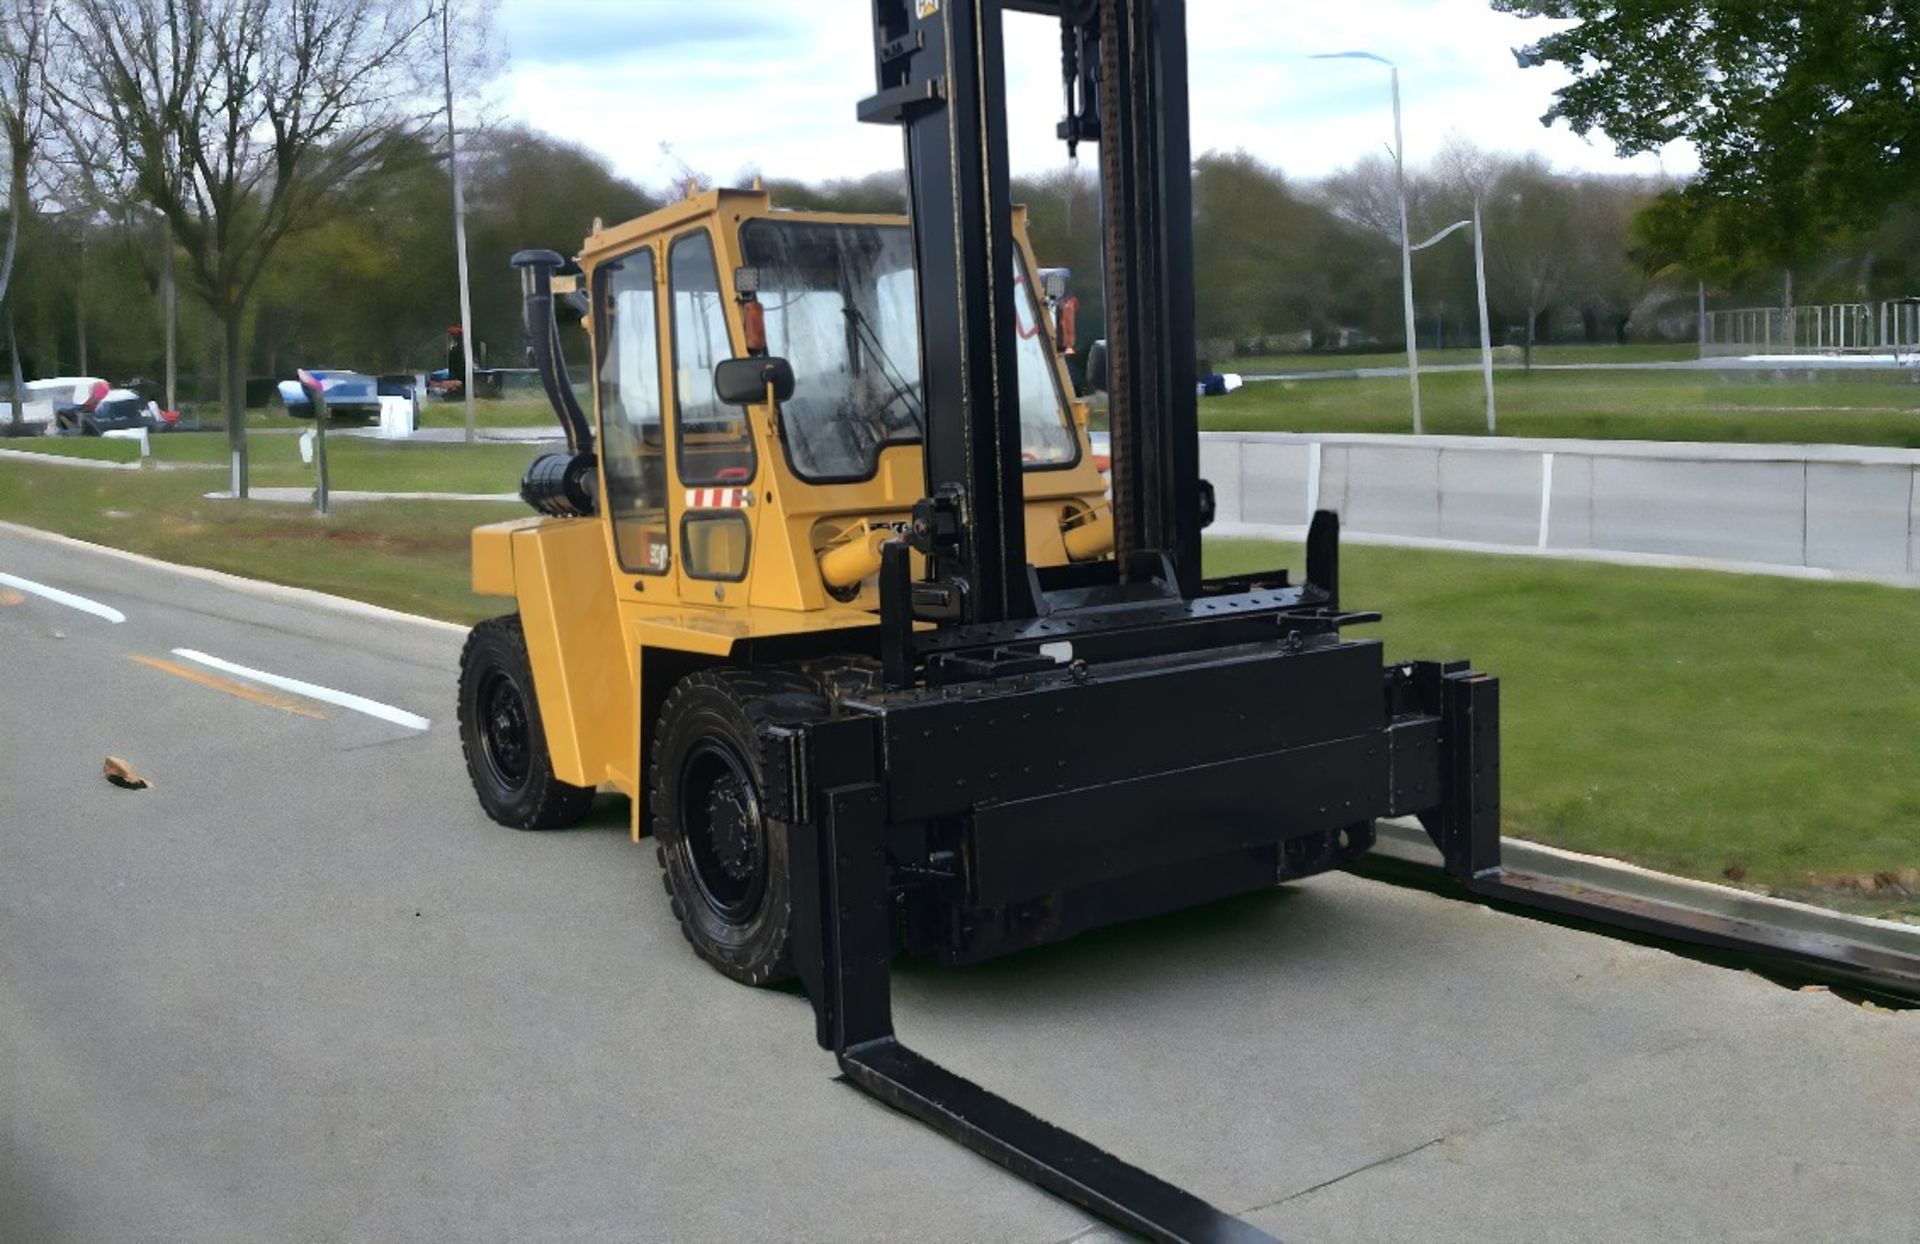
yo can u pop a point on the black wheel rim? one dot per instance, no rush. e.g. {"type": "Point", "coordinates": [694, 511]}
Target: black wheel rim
{"type": "Point", "coordinates": [506, 736]}
{"type": "Point", "coordinates": [722, 836]}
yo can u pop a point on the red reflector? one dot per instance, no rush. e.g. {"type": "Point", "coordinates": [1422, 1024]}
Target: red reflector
{"type": "Point", "coordinates": [753, 319]}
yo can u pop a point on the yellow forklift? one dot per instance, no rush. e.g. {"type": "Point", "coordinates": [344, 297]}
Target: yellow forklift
{"type": "Point", "coordinates": [830, 587]}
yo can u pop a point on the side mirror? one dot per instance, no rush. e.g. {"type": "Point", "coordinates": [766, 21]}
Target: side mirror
{"type": "Point", "coordinates": [1097, 366]}
{"type": "Point", "coordinates": [743, 382]}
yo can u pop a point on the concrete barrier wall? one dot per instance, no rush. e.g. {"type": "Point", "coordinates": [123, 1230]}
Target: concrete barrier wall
{"type": "Point", "coordinates": [1834, 508]}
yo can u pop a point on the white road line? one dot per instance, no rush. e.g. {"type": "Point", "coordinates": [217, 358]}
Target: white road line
{"type": "Point", "coordinates": [345, 699]}
{"type": "Point", "coordinates": [59, 597]}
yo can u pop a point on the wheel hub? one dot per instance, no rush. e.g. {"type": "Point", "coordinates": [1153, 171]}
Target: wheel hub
{"type": "Point", "coordinates": [722, 837]}
{"type": "Point", "coordinates": [505, 734]}
{"type": "Point", "coordinates": [730, 825]}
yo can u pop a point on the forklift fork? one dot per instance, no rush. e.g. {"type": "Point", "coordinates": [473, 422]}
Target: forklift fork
{"type": "Point", "coordinates": [842, 951]}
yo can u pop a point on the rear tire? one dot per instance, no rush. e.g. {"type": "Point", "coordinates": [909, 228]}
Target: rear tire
{"type": "Point", "coordinates": [502, 737]}
{"type": "Point", "coordinates": [723, 862]}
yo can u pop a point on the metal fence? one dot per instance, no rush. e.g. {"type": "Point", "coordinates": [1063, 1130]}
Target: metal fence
{"type": "Point", "coordinates": [1889, 327]}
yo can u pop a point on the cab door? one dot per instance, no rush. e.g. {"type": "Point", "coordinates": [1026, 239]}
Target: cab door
{"type": "Point", "coordinates": [715, 462]}
{"type": "Point", "coordinates": [636, 484]}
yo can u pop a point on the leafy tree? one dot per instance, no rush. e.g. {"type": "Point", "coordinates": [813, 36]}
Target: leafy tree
{"type": "Point", "coordinates": [878, 193]}
{"type": "Point", "coordinates": [1532, 222]}
{"type": "Point", "coordinates": [527, 189]}
{"type": "Point", "coordinates": [1270, 260]}
{"type": "Point", "coordinates": [1608, 280]}
{"type": "Point", "coordinates": [373, 287]}
{"type": "Point", "coordinates": [1801, 110]}
{"type": "Point", "coordinates": [1555, 240]}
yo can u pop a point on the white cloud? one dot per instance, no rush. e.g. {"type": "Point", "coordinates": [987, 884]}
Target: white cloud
{"type": "Point", "coordinates": [736, 84]}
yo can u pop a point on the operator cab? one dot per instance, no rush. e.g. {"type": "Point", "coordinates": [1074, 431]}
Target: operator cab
{"type": "Point", "coordinates": [706, 482]}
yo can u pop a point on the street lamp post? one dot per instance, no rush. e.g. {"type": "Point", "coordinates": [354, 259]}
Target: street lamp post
{"type": "Point", "coordinates": [1480, 286]}
{"type": "Point", "coordinates": [459, 214]}
{"type": "Point", "coordinates": [1406, 246]}
{"type": "Point", "coordinates": [1486, 326]}
{"type": "Point", "coordinates": [170, 295]}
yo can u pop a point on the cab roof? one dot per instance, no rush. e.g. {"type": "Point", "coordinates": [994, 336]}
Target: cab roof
{"type": "Point", "coordinates": [731, 205]}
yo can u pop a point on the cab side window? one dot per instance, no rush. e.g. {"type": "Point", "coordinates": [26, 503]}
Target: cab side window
{"type": "Point", "coordinates": [714, 443]}
{"type": "Point", "coordinates": [633, 445]}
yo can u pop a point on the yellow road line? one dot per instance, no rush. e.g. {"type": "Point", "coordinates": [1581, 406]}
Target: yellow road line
{"type": "Point", "coordinates": [229, 686]}
{"type": "Point", "coordinates": [10, 597]}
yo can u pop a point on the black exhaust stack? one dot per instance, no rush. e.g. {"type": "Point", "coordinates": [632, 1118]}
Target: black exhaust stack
{"type": "Point", "coordinates": [561, 485]}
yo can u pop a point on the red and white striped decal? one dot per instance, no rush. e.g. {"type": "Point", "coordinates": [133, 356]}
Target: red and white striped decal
{"type": "Point", "coordinates": [716, 498]}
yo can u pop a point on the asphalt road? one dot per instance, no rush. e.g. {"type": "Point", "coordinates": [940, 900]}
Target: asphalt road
{"type": "Point", "coordinates": [301, 989]}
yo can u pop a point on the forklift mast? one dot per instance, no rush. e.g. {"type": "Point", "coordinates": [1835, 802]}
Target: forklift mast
{"type": "Point", "coordinates": [941, 67]}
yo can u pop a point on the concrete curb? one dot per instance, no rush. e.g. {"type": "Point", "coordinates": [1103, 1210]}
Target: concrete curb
{"type": "Point", "coordinates": [98, 464]}
{"type": "Point", "coordinates": [505, 435]}
{"type": "Point", "coordinates": [1404, 840]}
{"type": "Point", "coordinates": [303, 597]}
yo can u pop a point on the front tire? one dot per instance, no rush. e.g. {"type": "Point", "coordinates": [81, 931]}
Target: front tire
{"type": "Point", "coordinates": [502, 737]}
{"type": "Point", "coordinates": [723, 862]}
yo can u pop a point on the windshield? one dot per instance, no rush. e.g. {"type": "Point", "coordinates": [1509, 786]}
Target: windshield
{"type": "Point", "coordinates": [839, 303]}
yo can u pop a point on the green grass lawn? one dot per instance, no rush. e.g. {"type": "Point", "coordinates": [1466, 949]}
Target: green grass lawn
{"type": "Point", "coordinates": [1718, 726]}
{"type": "Point", "coordinates": [404, 555]}
{"type": "Point", "coordinates": [1877, 408]}
{"type": "Point", "coordinates": [507, 412]}
{"type": "Point", "coordinates": [510, 412]}
{"type": "Point", "coordinates": [352, 462]}
{"type": "Point", "coordinates": [1651, 352]}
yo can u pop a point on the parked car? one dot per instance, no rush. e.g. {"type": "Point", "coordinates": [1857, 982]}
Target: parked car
{"type": "Point", "coordinates": [347, 392]}
{"type": "Point", "coordinates": [397, 385]}
{"type": "Point", "coordinates": [45, 398]}
{"type": "Point", "coordinates": [111, 410]}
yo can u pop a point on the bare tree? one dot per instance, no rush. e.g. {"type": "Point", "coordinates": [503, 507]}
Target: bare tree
{"type": "Point", "coordinates": [1534, 226]}
{"type": "Point", "coordinates": [240, 121]}
{"type": "Point", "coordinates": [23, 47]}
{"type": "Point", "coordinates": [1366, 194]}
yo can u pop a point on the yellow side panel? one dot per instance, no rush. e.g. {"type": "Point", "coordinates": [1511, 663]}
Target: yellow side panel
{"type": "Point", "coordinates": [714, 632]}
{"type": "Point", "coordinates": [583, 672]}
{"type": "Point", "coordinates": [493, 556]}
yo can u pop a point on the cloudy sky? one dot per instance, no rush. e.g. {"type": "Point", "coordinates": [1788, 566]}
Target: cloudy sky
{"type": "Point", "coordinates": [721, 86]}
